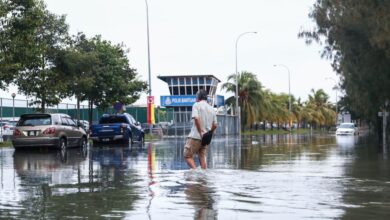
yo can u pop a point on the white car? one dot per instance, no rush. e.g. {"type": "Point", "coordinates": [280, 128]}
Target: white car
{"type": "Point", "coordinates": [85, 124]}
{"type": "Point", "coordinates": [347, 129]}
{"type": "Point", "coordinates": [6, 128]}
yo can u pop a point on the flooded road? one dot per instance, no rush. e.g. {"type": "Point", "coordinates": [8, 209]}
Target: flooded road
{"type": "Point", "coordinates": [259, 177]}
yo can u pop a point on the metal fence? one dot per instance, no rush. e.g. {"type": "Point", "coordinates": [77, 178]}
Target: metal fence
{"type": "Point", "coordinates": [225, 122]}
{"type": "Point", "coordinates": [169, 122]}
{"type": "Point", "coordinates": [10, 108]}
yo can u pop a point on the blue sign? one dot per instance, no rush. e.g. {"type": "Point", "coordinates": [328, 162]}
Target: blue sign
{"type": "Point", "coordinates": [177, 100]}
{"type": "Point", "coordinates": [220, 100]}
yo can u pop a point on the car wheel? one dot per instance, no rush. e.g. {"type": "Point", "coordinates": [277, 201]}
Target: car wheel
{"type": "Point", "coordinates": [130, 140]}
{"type": "Point", "coordinates": [63, 155]}
{"type": "Point", "coordinates": [83, 142]}
{"type": "Point", "coordinates": [62, 144]}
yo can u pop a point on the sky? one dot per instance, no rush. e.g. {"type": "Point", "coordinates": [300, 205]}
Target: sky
{"type": "Point", "coordinates": [199, 37]}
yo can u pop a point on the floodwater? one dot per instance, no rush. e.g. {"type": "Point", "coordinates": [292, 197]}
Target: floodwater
{"type": "Point", "coordinates": [259, 177]}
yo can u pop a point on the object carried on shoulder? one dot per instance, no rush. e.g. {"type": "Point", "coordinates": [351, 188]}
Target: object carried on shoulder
{"type": "Point", "coordinates": [206, 138]}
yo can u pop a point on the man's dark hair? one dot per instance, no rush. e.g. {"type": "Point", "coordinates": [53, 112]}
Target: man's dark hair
{"type": "Point", "coordinates": [201, 94]}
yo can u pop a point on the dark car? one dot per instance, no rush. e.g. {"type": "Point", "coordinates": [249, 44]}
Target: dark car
{"type": "Point", "coordinates": [117, 127]}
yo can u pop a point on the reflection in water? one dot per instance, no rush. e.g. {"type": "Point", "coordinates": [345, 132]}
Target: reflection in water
{"type": "Point", "coordinates": [367, 188]}
{"type": "Point", "coordinates": [200, 195]}
{"type": "Point", "coordinates": [151, 163]}
{"type": "Point", "coordinates": [265, 176]}
{"type": "Point", "coordinates": [384, 149]}
{"type": "Point", "coordinates": [53, 185]}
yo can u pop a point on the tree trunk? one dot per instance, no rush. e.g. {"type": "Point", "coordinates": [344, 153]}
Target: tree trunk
{"type": "Point", "coordinates": [43, 103]}
{"type": "Point", "coordinates": [78, 110]}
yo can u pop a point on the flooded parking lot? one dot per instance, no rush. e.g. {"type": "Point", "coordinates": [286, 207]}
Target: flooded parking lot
{"type": "Point", "coordinates": [259, 177]}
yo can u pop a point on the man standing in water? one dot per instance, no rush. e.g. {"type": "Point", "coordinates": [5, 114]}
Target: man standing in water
{"type": "Point", "coordinates": [204, 119]}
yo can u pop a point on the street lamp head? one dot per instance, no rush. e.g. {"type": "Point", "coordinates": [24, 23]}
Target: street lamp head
{"type": "Point", "coordinates": [13, 95]}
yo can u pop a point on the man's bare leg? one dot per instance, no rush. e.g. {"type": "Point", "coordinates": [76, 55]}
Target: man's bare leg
{"type": "Point", "coordinates": [190, 162]}
{"type": "Point", "coordinates": [202, 162]}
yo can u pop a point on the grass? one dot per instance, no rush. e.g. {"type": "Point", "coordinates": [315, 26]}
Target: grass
{"type": "Point", "coordinates": [149, 137]}
{"type": "Point", "coordinates": [6, 144]}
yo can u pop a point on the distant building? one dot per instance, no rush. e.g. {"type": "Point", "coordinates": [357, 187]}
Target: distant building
{"type": "Point", "coordinates": [183, 89]}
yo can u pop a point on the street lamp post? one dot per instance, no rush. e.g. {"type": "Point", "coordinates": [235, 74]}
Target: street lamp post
{"type": "Point", "coordinates": [335, 88]}
{"type": "Point", "coordinates": [238, 113]}
{"type": "Point", "coordinates": [147, 30]}
{"type": "Point", "coordinates": [149, 69]}
{"type": "Point", "coordinates": [289, 92]}
{"type": "Point", "coordinates": [13, 106]}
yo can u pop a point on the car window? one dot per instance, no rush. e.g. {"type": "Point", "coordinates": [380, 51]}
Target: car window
{"type": "Point", "coordinates": [3, 123]}
{"type": "Point", "coordinates": [112, 119]}
{"type": "Point", "coordinates": [13, 123]}
{"type": "Point", "coordinates": [35, 120]}
{"type": "Point", "coordinates": [64, 121]}
{"type": "Point", "coordinates": [347, 126]}
{"type": "Point", "coordinates": [56, 119]}
{"type": "Point", "coordinates": [132, 120]}
{"type": "Point", "coordinates": [71, 122]}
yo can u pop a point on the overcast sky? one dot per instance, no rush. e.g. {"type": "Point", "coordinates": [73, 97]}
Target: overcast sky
{"type": "Point", "coordinates": [199, 36]}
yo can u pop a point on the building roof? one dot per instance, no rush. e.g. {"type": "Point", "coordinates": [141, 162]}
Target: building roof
{"type": "Point", "coordinates": [164, 78]}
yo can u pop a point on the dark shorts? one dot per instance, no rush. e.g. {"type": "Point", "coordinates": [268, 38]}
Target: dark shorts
{"type": "Point", "coordinates": [193, 146]}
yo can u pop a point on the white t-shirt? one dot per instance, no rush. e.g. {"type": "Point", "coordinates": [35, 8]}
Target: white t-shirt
{"type": "Point", "coordinates": [206, 115]}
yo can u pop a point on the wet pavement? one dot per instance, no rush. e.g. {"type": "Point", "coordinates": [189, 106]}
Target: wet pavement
{"type": "Point", "coordinates": [259, 177]}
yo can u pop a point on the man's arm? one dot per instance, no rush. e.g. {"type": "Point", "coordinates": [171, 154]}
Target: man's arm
{"type": "Point", "coordinates": [198, 126]}
{"type": "Point", "coordinates": [213, 126]}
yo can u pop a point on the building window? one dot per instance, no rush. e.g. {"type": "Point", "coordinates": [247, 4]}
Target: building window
{"type": "Point", "coordinates": [181, 80]}
{"type": "Point", "coordinates": [208, 81]}
{"type": "Point", "coordinates": [208, 89]}
{"type": "Point", "coordinates": [188, 90]}
{"type": "Point", "coordinates": [175, 90]}
{"type": "Point", "coordinates": [174, 81]}
{"type": "Point", "coordinates": [182, 90]}
{"type": "Point", "coordinates": [188, 81]}
{"type": "Point", "coordinates": [195, 90]}
{"type": "Point", "coordinates": [195, 80]}
{"type": "Point", "coordinates": [201, 80]}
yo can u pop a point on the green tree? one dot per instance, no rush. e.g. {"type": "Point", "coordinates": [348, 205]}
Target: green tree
{"type": "Point", "coordinates": [250, 95]}
{"type": "Point", "coordinates": [320, 109]}
{"type": "Point", "coordinates": [31, 38]}
{"type": "Point", "coordinates": [297, 110]}
{"type": "Point", "coordinates": [279, 109]}
{"type": "Point", "coordinates": [356, 36]}
{"type": "Point", "coordinates": [100, 73]}
{"type": "Point", "coordinates": [7, 14]}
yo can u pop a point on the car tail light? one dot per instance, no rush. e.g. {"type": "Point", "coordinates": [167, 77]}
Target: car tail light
{"type": "Point", "coordinates": [17, 132]}
{"type": "Point", "coordinates": [123, 126]}
{"type": "Point", "coordinates": [50, 130]}
{"type": "Point", "coordinates": [5, 126]}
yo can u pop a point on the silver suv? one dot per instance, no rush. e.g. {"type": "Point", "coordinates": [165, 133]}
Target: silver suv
{"type": "Point", "coordinates": [48, 130]}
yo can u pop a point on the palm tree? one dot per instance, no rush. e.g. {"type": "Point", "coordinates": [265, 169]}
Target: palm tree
{"type": "Point", "coordinates": [250, 95]}
{"type": "Point", "coordinates": [321, 111]}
